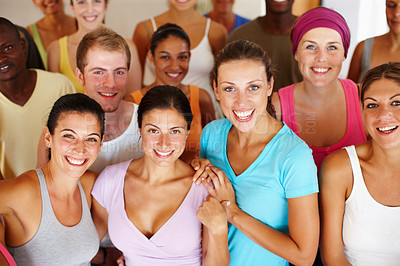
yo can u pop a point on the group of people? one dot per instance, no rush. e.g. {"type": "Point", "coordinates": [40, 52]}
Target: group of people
{"type": "Point", "coordinates": [290, 173]}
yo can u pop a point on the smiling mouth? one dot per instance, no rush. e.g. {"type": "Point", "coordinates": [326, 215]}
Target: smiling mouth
{"type": "Point", "coordinates": [75, 162]}
{"type": "Point", "coordinates": [246, 115]}
{"type": "Point", "coordinates": [320, 69]}
{"type": "Point", "coordinates": [387, 130]}
{"type": "Point", "coordinates": [90, 18]}
{"type": "Point", "coordinates": [5, 68]}
{"type": "Point", "coordinates": [173, 75]}
{"type": "Point", "coordinates": [163, 154]}
{"type": "Point", "coordinates": [107, 94]}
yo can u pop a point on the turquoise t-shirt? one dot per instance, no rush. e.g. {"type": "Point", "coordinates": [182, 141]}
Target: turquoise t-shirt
{"type": "Point", "coordinates": [284, 169]}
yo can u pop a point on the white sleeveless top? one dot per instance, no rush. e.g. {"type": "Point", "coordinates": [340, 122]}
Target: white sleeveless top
{"type": "Point", "coordinates": [371, 231]}
{"type": "Point", "coordinates": [200, 66]}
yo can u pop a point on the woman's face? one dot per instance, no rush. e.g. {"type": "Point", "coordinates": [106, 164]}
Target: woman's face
{"type": "Point", "coordinates": [76, 142]}
{"type": "Point", "coordinates": [381, 109]}
{"type": "Point", "coordinates": [164, 133]}
{"type": "Point", "coordinates": [243, 92]}
{"type": "Point", "coordinates": [49, 7]}
{"type": "Point", "coordinates": [182, 5]}
{"type": "Point", "coordinates": [320, 55]}
{"type": "Point", "coordinates": [171, 61]}
{"type": "Point", "coordinates": [393, 15]}
{"type": "Point", "coordinates": [89, 13]}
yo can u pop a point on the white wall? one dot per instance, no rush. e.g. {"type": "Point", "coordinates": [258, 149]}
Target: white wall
{"type": "Point", "coordinates": [122, 15]}
{"type": "Point", "coordinates": [366, 18]}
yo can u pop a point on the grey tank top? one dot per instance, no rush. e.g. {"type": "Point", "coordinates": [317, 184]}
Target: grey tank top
{"type": "Point", "coordinates": [366, 58]}
{"type": "Point", "coordinates": [56, 244]}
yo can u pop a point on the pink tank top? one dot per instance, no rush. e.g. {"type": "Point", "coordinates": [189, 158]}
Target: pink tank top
{"type": "Point", "coordinates": [355, 129]}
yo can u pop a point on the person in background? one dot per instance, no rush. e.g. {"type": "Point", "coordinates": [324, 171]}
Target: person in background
{"type": "Point", "coordinates": [377, 50]}
{"type": "Point", "coordinates": [47, 211]}
{"type": "Point", "coordinates": [54, 25]}
{"type": "Point", "coordinates": [360, 200]}
{"type": "Point", "coordinates": [206, 38]}
{"type": "Point", "coordinates": [26, 96]}
{"type": "Point", "coordinates": [149, 205]}
{"type": "Point", "coordinates": [267, 182]}
{"type": "Point", "coordinates": [33, 59]}
{"type": "Point", "coordinates": [62, 53]}
{"type": "Point", "coordinates": [272, 32]}
{"type": "Point", "coordinates": [222, 13]}
{"type": "Point", "coordinates": [321, 39]}
{"type": "Point", "coordinates": [170, 54]}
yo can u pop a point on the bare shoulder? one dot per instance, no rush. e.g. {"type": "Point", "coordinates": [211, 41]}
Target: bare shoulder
{"type": "Point", "coordinates": [204, 96]}
{"type": "Point", "coordinates": [336, 171]}
{"type": "Point", "coordinates": [19, 190]}
{"type": "Point", "coordinates": [141, 29]}
{"type": "Point", "coordinates": [217, 36]}
{"type": "Point", "coordinates": [276, 102]}
{"type": "Point", "coordinates": [87, 180]}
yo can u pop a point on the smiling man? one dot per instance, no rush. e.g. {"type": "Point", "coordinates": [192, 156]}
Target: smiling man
{"type": "Point", "coordinates": [26, 96]}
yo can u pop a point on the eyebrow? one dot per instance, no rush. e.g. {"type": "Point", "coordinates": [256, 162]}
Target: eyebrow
{"type": "Point", "coordinates": [103, 69]}
{"type": "Point", "coordinates": [150, 124]}
{"type": "Point", "coordinates": [370, 98]}
{"type": "Point", "coordinates": [249, 82]}
{"type": "Point", "coordinates": [70, 130]}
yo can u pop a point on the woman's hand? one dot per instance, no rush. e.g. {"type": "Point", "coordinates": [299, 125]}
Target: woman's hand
{"type": "Point", "coordinates": [219, 186]}
{"type": "Point", "coordinates": [200, 164]}
{"type": "Point", "coordinates": [212, 215]}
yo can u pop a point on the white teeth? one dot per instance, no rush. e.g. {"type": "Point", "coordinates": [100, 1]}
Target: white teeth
{"type": "Point", "coordinates": [386, 128]}
{"type": "Point", "coordinates": [279, 1]}
{"type": "Point", "coordinates": [107, 94]}
{"type": "Point", "coordinates": [243, 115]}
{"type": "Point", "coordinates": [75, 161]}
{"type": "Point", "coordinates": [4, 67]}
{"type": "Point", "coordinates": [320, 69]}
{"type": "Point", "coordinates": [173, 75]}
{"type": "Point", "coordinates": [163, 153]}
{"type": "Point", "coordinates": [91, 18]}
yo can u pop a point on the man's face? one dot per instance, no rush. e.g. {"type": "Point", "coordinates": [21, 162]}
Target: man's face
{"type": "Point", "coordinates": [105, 77]}
{"type": "Point", "coordinates": [12, 59]}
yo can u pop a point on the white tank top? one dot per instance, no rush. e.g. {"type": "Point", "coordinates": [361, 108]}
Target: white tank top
{"type": "Point", "coordinates": [200, 66]}
{"type": "Point", "coordinates": [371, 231]}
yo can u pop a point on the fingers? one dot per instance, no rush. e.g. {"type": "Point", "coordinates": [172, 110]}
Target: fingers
{"type": "Point", "coordinates": [200, 164]}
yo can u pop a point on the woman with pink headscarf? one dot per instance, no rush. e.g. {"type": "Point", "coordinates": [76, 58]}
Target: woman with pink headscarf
{"type": "Point", "coordinates": [323, 110]}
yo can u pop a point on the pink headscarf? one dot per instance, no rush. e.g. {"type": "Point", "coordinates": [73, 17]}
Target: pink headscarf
{"type": "Point", "coordinates": [317, 18]}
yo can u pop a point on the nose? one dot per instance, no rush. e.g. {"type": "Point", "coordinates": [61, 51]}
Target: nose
{"type": "Point", "coordinates": [241, 98]}
{"type": "Point", "coordinates": [164, 140]}
{"type": "Point", "coordinates": [79, 147]}
{"type": "Point", "coordinates": [109, 81]}
{"type": "Point", "coordinates": [385, 114]}
{"type": "Point", "coordinates": [320, 55]}
{"type": "Point", "coordinates": [173, 64]}
{"type": "Point", "coordinates": [90, 6]}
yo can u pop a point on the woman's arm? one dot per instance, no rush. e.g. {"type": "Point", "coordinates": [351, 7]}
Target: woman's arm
{"type": "Point", "coordinates": [141, 37]}
{"type": "Point", "coordinates": [53, 57]}
{"type": "Point", "coordinates": [215, 233]}
{"type": "Point", "coordinates": [299, 248]}
{"type": "Point", "coordinates": [335, 186]}
{"type": "Point", "coordinates": [217, 37]}
{"type": "Point", "coordinates": [354, 69]}
{"type": "Point", "coordinates": [206, 108]}
{"type": "Point", "coordinates": [135, 71]}
{"type": "Point", "coordinates": [100, 218]}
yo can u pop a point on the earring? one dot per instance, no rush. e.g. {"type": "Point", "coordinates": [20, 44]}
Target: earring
{"type": "Point", "coordinates": [48, 145]}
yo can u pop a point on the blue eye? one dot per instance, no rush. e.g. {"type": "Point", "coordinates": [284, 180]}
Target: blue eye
{"type": "Point", "coordinates": [254, 88]}
{"type": "Point", "coordinates": [229, 89]}
{"type": "Point", "coordinates": [311, 47]}
{"type": "Point", "coordinates": [332, 47]}
{"type": "Point", "coordinates": [68, 136]}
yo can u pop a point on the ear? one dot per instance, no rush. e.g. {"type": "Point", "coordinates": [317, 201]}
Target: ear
{"type": "Point", "coordinates": [150, 57]}
{"type": "Point", "coordinates": [296, 56]}
{"type": "Point", "coordinates": [47, 137]}
{"type": "Point", "coordinates": [271, 87]}
{"type": "Point", "coordinates": [215, 90]}
{"type": "Point", "coordinates": [80, 77]}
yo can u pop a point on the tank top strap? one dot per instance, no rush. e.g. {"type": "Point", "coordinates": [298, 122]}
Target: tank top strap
{"type": "Point", "coordinates": [287, 107]}
{"type": "Point", "coordinates": [46, 204]}
{"type": "Point", "coordinates": [207, 27]}
{"type": "Point", "coordinates": [194, 98]}
{"type": "Point", "coordinates": [64, 60]}
{"type": "Point", "coordinates": [39, 43]}
{"type": "Point", "coordinates": [7, 256]}
{"type": "Point", "coordinates": [366, 58]}
{"type": "Point", "coordinates": [355, 167]}
{"type": "Point", "coordinates": [153, 23]}
{"type": "Point", "coordinates": [137, 96]}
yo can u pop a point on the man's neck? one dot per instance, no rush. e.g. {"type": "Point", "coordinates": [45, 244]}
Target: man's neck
{"type": "Point", "coordinates": [118, 121]}
{"type": "Point", "coordinates": [277, 23]}
{"type": "Point", "coordinates": [20, 88]}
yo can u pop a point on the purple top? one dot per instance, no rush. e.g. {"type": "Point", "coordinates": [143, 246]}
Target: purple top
{"type": "Point", "coordinates": [177, 242]}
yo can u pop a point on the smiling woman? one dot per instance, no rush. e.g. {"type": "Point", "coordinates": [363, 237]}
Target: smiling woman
{"type": "Point", "coordinates": [360, 203]}
{"type": "Point", "coordinates": [321, 39]}
{"type": "Point", "coordinates": [47, 211]}
{"type": "Point", "coordinates": [149, 205]}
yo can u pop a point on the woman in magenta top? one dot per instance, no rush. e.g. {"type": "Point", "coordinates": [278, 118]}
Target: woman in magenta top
{"type": "Point", "coordinates": [322, 109]}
